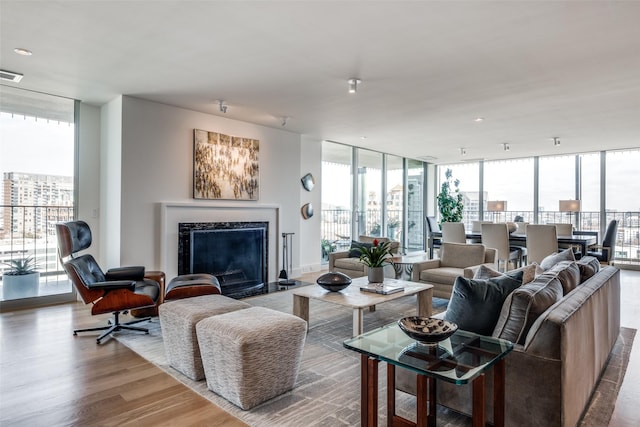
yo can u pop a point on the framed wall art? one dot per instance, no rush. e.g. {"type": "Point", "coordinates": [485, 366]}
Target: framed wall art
{"type": "Point", "coordinates": [225, 167]}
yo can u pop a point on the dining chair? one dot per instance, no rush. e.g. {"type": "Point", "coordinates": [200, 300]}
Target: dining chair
{"type": "Point", "coordinates": [432, 226]}
{"type": "Point", "coordinates": [476, 226]}
{"type": "Point", "coordinates": [604, 253]}
{"type": "Point", "coordinates": [453, 232]}
{"type": "Point", "coordinates": [496, 236]}
{"type": "Point", "coordinates": [521, 227]}
{"type": "Point", "coordinates": [563, 230]}
{"type": "Point", "coordinates": [542, 240]}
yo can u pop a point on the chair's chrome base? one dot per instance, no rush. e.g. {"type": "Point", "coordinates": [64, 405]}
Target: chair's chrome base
{"type": "Point", "coordinates": [114, 326]}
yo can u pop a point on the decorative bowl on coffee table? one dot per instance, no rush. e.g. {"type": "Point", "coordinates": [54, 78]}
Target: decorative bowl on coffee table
{"type": "Point", "coordinates": [334, 281]}
{"type": "Point", "coordinates": [427, 330]}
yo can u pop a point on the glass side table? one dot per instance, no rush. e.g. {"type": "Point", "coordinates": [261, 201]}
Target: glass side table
{"type": "Point", "coordinates": [464, 357]}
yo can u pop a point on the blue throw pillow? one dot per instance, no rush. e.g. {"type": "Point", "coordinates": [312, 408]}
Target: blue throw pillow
{"type": "Point", "coordinates": [354, 252]}
{"type": "Point", "coordinates": [475, 304]}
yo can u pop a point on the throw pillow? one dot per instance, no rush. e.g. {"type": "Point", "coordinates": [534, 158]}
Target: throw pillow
{"type": "Point", "coordinates": [354, 251]}
{"type": "Point", "coordinates": [568, 273]}
{"type": "Point", "coordinates": [588, 266]}
{"type": "Point", "coordinates": [524, 305]}
{"type": "Point", "coordinates": [554, 258]}
{"type": "Point", "coordinates": [475, 304]}
{"type": "Point", "coordinates": [529, 272]}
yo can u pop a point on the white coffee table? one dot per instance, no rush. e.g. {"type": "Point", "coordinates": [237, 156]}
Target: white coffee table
{"type": "Point", "coordinates": [358, 300]}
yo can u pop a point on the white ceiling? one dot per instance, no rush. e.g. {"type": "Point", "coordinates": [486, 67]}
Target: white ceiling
{"type": "Point", "coordinates": [533, 69]}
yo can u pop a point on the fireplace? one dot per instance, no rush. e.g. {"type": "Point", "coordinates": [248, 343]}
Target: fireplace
{"type": "Point", "coordinates": [235, 252]}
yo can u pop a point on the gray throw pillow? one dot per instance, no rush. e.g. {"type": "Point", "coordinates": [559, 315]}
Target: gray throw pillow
{"type": "Point", "coordinates": [529, 272]}
{"type": "Point", "coordinates": [475, 304]}
{"type": "Point", "coordinates": [568, 273]}
{"type": "Point", "coordinates": [554, 258]}
{"type": "Point", "coordinates": [354, 251]}
{"type": "Point", "coordinates": [588, 266]}
{"type": "Point", "coordinates": [524, 305]}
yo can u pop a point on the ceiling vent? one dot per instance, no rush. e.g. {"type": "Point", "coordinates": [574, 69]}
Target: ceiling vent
{"type": "Point", "coordinates": [10, 76]}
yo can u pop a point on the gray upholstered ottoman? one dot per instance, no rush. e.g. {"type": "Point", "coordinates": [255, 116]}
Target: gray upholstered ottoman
{"type": "Point", "coordinates": [252, 355]}
{"type": "Point", "coordinates": [178, 321]}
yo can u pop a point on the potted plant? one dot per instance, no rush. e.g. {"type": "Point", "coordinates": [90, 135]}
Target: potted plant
{"type": "Point", "coordinates": [327, 248]}
{"type": "Point", "coordinates": [374, 256]}
{"type": "Point", "coordinates": [392, 227]}
{"type": "Point", "coordinates": [21, 280]}
{"type": "Point", "coordinates": [450, 199]}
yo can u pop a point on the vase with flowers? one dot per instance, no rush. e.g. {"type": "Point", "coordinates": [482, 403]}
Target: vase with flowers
{"type": "Point", "coordinates": [375, 256]}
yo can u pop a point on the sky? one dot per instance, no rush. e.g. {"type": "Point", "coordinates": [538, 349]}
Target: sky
{"type": "Point", "coordinates": [39, 147]}
{"type": "Point", "coordinates": [512, 180]}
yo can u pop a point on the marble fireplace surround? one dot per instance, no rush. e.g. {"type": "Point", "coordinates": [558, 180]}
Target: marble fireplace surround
{"type": "Point", "coordinates": [171, 214]}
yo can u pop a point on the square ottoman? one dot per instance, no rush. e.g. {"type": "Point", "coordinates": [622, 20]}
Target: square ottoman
{"type": "Point", "coordinates": [251, 355]}
{"type": "Point", "coordinates": [178, 321]}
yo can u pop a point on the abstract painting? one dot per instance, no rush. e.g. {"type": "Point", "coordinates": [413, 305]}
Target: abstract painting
{"type": "Point", "coordinates": [225, 167]}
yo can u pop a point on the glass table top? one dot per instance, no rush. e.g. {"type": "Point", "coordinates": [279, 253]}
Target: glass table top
{"type": "Point", "coordinates": [458, 359]}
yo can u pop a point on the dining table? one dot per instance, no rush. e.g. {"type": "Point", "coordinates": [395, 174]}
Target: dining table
{"type": "Point", "coordinates": [579, 239]}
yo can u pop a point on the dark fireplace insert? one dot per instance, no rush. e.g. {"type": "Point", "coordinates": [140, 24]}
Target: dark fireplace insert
{"type": "Point", "coordinates": [234, 252]}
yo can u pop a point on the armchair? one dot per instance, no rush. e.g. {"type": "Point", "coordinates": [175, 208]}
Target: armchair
{"type": "Point", "coordinates": [456, 259]}
{"type": "Point", "coordinates": [349, 264]}
{"type": "Point", "coordinates": [116, 291]}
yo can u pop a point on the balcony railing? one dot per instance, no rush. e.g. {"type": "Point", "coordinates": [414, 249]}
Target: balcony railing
{"type": "Point", "coordinates": [29, 231]}
{"type": "Point", "coordinates": [336, 226]}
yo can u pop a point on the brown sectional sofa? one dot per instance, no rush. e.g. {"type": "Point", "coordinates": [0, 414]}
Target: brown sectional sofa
{"type": "Point", "coordinates": [559, 353]}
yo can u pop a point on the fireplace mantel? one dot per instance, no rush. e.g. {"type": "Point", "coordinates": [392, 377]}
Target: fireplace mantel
{"type": "Point", "coordinates": [171, 214]}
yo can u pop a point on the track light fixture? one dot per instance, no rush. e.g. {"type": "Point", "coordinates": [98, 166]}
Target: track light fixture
{"type": "Point", "coordinates": [353, 85]}
{"type": "Point", "coordinates": [505, 146]}
{"type": "Point", "coordinates": [223, 106]}
{"type": "Point", "coordinates": [463, 151]}
{"type": "Point", "coordinates": [556, 141]}
{"type": "Point", "coordinates": [284, 120]}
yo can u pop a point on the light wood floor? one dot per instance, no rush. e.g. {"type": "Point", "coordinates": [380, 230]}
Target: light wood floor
{"type": "Point", "coordinates": [48, 377]}
{"type": "Point", "coordinates": [51, 378]}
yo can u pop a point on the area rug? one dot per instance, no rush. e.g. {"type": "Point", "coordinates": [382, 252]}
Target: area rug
{"type": "Point", "coordinates": [327, 392]}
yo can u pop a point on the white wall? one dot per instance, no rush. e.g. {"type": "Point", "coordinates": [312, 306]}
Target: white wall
{"type": "Point", "coordinates": [89, 171]}
{"type": "Point", "coordinates": [110, 182]}
{"type": "Point", "coordinates": [157, 167]}
{"type": "Point", "coordinates": [309, 239]}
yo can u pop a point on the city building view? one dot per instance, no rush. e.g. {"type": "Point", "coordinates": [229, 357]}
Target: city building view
{"type": "Point", "coordinates": [36, 165]}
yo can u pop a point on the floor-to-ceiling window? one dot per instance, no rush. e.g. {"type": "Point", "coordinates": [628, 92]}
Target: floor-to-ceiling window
{"type": "Point", "coordinates": [415, 205]}
{"type": "Point", "coordinates": [622, 201]}
{"type": "Point", "coordinates": [394, 199]}
{"type": "Point", "coordinates": [589, 216]}
{"type": "Point", "coordinates": [601, 186]}
{"type": "Point", "coordinates": [368, 205]}
{"type": "Point", "coordinates": [557, 181]}
{"type": "Point", "coordinates": [511, 182]}
{"type": "Point", "coordinates": [337, 210]}
{"type": "Point", "coordinates": [370, 193]}
{"type": "Point", "coordinates": [37, 146]}
{"type": "Point", "coordinates": [469, 183]}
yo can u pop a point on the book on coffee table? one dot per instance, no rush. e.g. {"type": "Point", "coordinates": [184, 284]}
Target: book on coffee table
{"type": "Point", "coordinates": [385, 288]}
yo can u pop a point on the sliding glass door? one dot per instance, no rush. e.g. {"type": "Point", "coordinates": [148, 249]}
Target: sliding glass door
{"type": "Point", "coordinates": [37, 146]}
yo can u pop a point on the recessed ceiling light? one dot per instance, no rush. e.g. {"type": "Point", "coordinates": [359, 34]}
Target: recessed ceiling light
{"type": "Point", "coordinates": [478, 119]}
{"type": "Point", "coordinates": [353, 84]}
{"type": "Point", "coordinates": [23, 51]}
{"type": "Point", "coordinates": [363, 137]}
